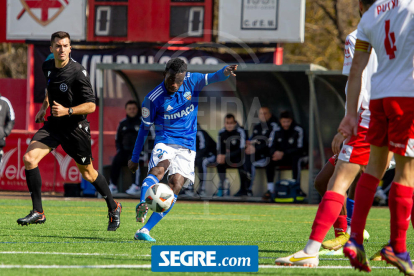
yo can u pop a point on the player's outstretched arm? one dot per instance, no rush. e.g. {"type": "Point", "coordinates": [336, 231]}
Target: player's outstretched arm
{"type": "Point", "coordinates": [139, 143]}
{"type": "Point", "coordinates": [40, 116]}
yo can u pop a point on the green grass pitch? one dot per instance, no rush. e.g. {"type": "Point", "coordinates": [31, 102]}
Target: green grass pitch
{"type": "Point", "coordinates": [75, 235]}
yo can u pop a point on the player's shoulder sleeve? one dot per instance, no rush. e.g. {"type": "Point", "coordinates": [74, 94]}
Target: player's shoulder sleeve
{"type": "Point", "coordinates": [83, 83]}
{"type": "Point", "coordinates": [47, 67]}
{"type": "Point", "coordinates": [362, 31]}
{"type": "Point", "coordinates": [349, 52]}
{"type": "Point", "coordinates": [197, 80]}
{"type": "Point", "coordinates": [149, 107]}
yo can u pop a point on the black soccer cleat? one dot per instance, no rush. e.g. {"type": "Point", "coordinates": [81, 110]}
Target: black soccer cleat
{"type": "Point", "coordinates": [33, 217]}
{"type": "Point", "coordinates": [115, 217]}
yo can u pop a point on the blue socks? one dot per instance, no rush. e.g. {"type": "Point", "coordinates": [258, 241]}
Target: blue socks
{"type": "Point", "coordinates": [156, 217]}
{"type": "Point", "coordinates": [349, 210]}
{"type": "Point", "coordinates": [148, 182]}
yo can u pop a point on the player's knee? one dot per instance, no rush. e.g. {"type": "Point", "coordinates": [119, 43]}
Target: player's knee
{"type": "Point", "coordinates": [158, 172]}
{"type": "Point", "coordinates": [29, 161]}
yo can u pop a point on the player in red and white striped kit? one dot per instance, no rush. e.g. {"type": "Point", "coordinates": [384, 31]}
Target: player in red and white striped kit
{"type": "Point", "coordinates": [351, 160]}
{"type": "Point", "coordinates": [388, 27]}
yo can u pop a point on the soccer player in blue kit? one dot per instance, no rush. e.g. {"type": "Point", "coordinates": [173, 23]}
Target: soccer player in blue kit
{"type": "Point", "coordinates": [172, 107]}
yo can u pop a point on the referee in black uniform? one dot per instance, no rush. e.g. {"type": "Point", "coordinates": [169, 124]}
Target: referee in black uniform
{"type": "Point", "coordinates": [71, 98]}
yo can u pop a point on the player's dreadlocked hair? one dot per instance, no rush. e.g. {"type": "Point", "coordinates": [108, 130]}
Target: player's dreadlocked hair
{"type": "Point", "coordinates": [367, 2]}
{"type": "Point", "coordinates": [60, 35]}
{"type": "Point", "coordinates": [176, 65]}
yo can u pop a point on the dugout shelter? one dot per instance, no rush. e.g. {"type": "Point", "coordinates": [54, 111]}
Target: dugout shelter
{"type": "Point", "coordinates": [313, 94]}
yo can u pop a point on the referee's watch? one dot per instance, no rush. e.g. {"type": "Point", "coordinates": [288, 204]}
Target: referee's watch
{"type": "Point", "coordinates": [70, 111]}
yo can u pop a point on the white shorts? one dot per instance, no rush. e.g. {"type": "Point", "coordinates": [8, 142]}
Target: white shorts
{"type": "Point", "coordinates": [181, 160]}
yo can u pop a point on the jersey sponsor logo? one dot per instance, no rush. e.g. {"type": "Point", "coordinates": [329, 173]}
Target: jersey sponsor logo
{"type": "Point", "coordinates": [290, 141]}
{"type": "Point", "coordinates": [187, 95]}
{"type": "Point", "coordinates": [233, 142]}
{"type": "Point", "coordinates": [145, 112]}
{"type": "Point", "coordinates": [169, 108]}
{"type": "Point", "coordinates": [63, 87]}
{"type": "Point", "coordinates": [84, 72]}
{"type": "Point", "coordinates": [347, 53]}
{"type": "Point", "coordinates": [180, 114]}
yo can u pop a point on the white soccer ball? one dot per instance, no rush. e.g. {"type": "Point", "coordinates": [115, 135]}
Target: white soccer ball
{"type": "Point", "coordinates": [159, 197]}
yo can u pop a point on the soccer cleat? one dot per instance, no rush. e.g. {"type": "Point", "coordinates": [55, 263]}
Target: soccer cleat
{"type": "Point", "coordinates": [337, 242]}
{"type": "Point", "coordinates": [326, 252]}
{"type": "Point", "coordinates": [402, 260]}
{"type": "Point", "coordinates": [356, 254]}
{"type": "Point", "coordinates": [219, 192]}
{"type": "Point", "coordinates": [240, 193]}
{"type": "Point", "coordinates": [143, 235]}
{"type": "Point", "coordinates": [201, 193]}
{"type": "Point", "coordinates": [142, 211]}
{"type": "Point", "coordinates": [115, 217]}
{"type": "Point", "coordinates": [33, 217]}
{"type": "Point", "coordinates": [133, 190]}
{"type": "Point", "coordinates": [300, 258]}
{"type": "Point", "coordinates": [366, 235]}
{"type": "Point", "coordinates": [377, 256]}
{"type": "Point", "coordinates": [250, 193]}
{"type": "Point", "coordinates": [113, 189]}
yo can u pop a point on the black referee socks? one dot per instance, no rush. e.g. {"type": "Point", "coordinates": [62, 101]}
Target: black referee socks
{"type": "Point", "coordinates": [102, 187]}
{"type": "Point", "coordinates": [34, 182]}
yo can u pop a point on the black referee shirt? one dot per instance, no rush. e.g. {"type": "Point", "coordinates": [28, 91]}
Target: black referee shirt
{"type": "Point", "coordinates": [69, 86]}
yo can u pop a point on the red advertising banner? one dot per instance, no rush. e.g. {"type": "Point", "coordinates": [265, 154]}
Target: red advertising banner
{"type": "Point", "coordinates": [56, 168]}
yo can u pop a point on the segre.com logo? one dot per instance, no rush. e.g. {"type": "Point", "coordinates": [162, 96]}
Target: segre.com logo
{"type": "Point", "coordinates": [204, 258]}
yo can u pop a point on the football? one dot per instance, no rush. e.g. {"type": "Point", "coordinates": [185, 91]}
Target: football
{"type": "Point", "coordinates": [159, 197]}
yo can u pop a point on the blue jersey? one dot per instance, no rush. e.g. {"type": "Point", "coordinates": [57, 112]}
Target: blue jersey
{"type": "Point", "coordinates": [174, 116]}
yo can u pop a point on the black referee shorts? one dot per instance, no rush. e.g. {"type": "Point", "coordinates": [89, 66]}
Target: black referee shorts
{"type": "Point", "coordinates": [74, 139]}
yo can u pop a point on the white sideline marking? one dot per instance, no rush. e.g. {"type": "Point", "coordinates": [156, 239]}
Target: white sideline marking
{"type": "Point", "coordinates": [149, 266]}
{"type": "Point", "coordinates": [75, 266]}
{"type": "Point", "coordinates": [69, 253]}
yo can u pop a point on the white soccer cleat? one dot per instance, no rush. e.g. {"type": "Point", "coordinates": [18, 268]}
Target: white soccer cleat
{"type": "Point", "coordinates": [300, 258]}
{"type": "Point", "coordinates": [113, 189]}
{"type": "Point", "coordinates": [133, 190]}
{"type": "Point", "coordinates": [366, 235]}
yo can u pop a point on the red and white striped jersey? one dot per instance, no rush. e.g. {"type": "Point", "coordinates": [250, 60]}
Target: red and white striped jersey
{"type": "Point", "coordinates": [388, 26]}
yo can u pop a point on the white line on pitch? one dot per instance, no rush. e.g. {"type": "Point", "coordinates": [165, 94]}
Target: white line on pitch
{"type": "Point", "coordinates": [149, 266]}
{"type": "Point", "coordinates": [69, 253]}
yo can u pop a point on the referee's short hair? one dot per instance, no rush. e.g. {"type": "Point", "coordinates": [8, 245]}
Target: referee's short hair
{"type": "Point", "coordinates": [176, 65]}
{"type": "Point", "coordinates": [59, 35]}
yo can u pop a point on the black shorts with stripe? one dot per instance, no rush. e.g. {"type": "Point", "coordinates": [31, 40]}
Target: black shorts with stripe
{"type": "Point", "coordinates": [75, 139]}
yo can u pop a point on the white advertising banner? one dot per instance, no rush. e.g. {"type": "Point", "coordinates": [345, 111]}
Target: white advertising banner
{"type": "Point", "coordinates": [258, 21]}
{"type": "Point", "coordinates": [38, 19]}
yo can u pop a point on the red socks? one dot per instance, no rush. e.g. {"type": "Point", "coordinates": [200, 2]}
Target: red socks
{"type": "Point", "coordinates": [340, 225]}
{"type": "Point", "coordinates": [364, 196]}
{"type": "Point", "coordinates": [328, 211]}
{"type": "Point", "coordinates": [401, 203]}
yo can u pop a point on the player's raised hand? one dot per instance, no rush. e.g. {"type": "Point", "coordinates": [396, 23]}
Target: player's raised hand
{"type": "Point", "coordinates": [59, 110]}
{"type": "Point", "coordinates": [336, 143]}
{"type": "Point", "coordinates": [348, 126]}
{"type": "Point", "coordinates": [132, 166]}
{"type": "Point", "coordinates": [230, 70]}
{"type": "Point", "coordinates": [40, 116]}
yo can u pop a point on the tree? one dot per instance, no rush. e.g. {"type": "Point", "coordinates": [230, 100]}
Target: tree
{"type": "Point", "coordinates": [13, 60]}
{"type": "Point", "coordinates": [327, 24]}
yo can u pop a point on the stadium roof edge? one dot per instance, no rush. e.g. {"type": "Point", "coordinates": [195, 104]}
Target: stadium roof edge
{"type": "Point", "coordinates": [211, 68]}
